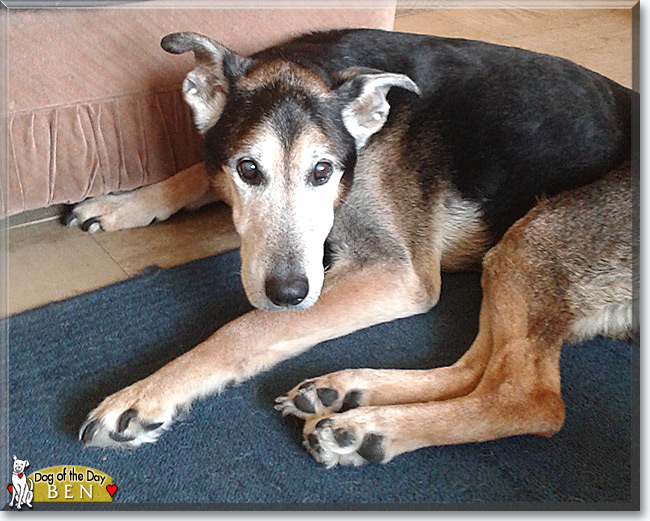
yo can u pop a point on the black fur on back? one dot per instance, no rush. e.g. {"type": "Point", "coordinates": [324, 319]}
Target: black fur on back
{"type": "Point", "coordinates": [515, 124]}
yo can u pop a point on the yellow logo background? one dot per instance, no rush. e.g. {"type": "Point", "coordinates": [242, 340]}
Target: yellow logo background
{"type": "Point", "coordinates": [71, 484]}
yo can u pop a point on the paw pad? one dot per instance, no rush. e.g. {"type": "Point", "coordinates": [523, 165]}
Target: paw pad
{"type": "Point", "coordinates": [308, 399]}
{"type": "Point", "coordinates": [331, 445]}
{"type": "Point", "coordinates": [327, 396]}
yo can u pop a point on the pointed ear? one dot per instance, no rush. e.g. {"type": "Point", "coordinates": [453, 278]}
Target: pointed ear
{"type": "Point", "coordinates": [206, 87]}
{"type": "Point", "coordinates": [364, 93]}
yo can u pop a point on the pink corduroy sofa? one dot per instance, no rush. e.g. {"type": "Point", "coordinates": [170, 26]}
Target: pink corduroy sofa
{"type": "Point", "coordinates": [95, 104]}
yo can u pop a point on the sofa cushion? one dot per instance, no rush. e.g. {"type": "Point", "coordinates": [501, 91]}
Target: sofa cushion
{"type": "Point", "coordinates": [95, 104]}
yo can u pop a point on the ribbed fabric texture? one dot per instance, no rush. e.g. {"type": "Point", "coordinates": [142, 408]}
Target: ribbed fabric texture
{"type": "Point", "coordinates": [66, 154]}
{"type": "Point", "coordinates": [234, 450]}
{"type": "Point", "coordinates": [94, 102]}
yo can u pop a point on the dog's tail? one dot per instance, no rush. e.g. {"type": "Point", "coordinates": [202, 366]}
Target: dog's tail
{"type": "Point", "coordinates": [31, 484]}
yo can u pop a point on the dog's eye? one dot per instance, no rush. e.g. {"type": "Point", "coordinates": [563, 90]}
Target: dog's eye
{"type": "Point", "coordinates": [249, 171]}
{"type": "Point", "coordinates": [322, 172]}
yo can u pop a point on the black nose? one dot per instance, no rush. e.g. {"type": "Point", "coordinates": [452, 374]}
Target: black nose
{"type": "Point", "coordinates": [289, 291]}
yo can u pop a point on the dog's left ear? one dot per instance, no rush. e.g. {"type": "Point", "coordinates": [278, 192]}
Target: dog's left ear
{"type": "Point", "coordinates": [206, 87]}
{"type": "Point", "coordinates": [364, 93]}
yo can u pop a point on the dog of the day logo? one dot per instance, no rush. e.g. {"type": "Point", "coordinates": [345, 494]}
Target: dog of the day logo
{"type": "Point", "coordinates": [21, 487]}
{"type": "Point", "coordinates": [61, 484]}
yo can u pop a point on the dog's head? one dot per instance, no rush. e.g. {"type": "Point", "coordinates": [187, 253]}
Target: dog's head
{"type": "Point", "coordinates": [286, 140]}
{"type": "Point", "coordinates": [19, 465]}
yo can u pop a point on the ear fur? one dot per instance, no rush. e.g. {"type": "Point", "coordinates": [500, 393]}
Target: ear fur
{"type": "Point", "coordinates": [206, 87]}
{"type": "Point", "coordinates": [368, 109]}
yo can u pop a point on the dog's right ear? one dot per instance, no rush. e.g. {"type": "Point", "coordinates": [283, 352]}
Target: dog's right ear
{"type": "Point", "coordinates": [206, 87]}
{"type": "Point", "coordinates": [15, 458]}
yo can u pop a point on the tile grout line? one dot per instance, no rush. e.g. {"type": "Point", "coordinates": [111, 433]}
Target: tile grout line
{"type": "Point", "coordinates": [128, 275]}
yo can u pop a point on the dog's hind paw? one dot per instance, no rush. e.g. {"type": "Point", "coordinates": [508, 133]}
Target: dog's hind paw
{"type": "Point", "coordinates": [333, 440]}
{"type": "Point", "coordinates": [315, 398]}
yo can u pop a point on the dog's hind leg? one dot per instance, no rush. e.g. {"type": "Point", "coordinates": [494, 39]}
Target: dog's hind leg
{"type": "Point", "coordinates": [190, 188]}
{"type": "Point", "coordinates": [561, 273]}
{"type": "Point", "coordinates": [352, 388]}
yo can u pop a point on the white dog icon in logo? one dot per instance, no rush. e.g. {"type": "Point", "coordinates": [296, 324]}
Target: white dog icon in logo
{"type": "Point", "coordinates": [21, 493]}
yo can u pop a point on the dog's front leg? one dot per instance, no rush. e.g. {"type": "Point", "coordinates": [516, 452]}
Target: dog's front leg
{"type": "Point", "coordinates": [351, 300]}
{"type": "Point", "coordinates": [190, 188]}
{"type": "Point", "coordinates": [20, 500]}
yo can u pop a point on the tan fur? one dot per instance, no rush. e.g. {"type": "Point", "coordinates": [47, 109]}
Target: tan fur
{"type": "Point", "coordinates": [461, 232]}
{"type": "Point", "coordinates": [189, 188]}
{"type": "Point", "coordinates": [561, 272]}
{"type": "Point", "coordinates": [300, 77]}
{"type": "Point", "coordinates": [287, 207]}
{"type": "Point", "coordinates": [238, 350]}
{"type": "Point", "coordinates": [508, 383]}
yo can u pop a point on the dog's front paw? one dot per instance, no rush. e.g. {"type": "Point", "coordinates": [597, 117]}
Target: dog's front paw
{"type": "Point", "coordinates": [320, 396]}
{"type": "Point", "coordinates": [340, 439]}
{"type": "Point", "coordinates": [129, 418]}
{"type": "Point", "coordinates": [116, 212]}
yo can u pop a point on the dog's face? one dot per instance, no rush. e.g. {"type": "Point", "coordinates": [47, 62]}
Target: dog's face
{"type": "Point", "coordinates": [286, 140]}
{"type": "Point", "coordinates": [20, 465]}
{"type": "Point", "coordinates": [284, 158]}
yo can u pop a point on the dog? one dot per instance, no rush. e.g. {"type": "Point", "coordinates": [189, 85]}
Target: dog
{"type": "Point", "coordinates": [21, 493]}
{"type": "Point", "coordinates": [359, 165]}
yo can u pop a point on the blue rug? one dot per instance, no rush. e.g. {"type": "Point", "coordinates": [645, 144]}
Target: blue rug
{"type": "Point", "coordinates": [235, 451]}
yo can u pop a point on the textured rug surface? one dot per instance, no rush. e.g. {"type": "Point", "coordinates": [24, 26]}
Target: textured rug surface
{"type": "Point", "coordinates": [234, 448]}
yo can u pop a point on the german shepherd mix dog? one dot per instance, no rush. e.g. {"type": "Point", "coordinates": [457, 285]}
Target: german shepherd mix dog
{"type": "Point", "coordinates": [359, 164]}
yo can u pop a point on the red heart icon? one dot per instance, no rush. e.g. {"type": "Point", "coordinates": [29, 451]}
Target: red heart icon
{"type": "Point", "coordinates": [20, 475]}
{"type": "Point", "coordinates": [10, 488]}
{"type": "Point", "coordinates": [111, 489]}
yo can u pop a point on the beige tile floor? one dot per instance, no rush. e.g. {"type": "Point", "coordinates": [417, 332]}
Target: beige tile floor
{"type": "Point", "coordinates": [49, 262]}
